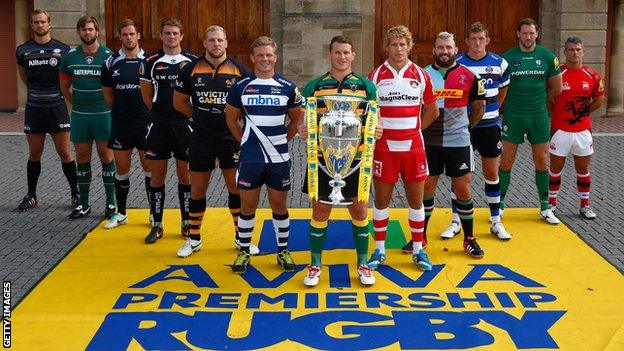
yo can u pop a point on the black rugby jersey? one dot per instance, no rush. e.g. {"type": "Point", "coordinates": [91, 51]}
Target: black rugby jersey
{"type": "Point", "coordinates": [162, 70]}
{"type": "Point", "coordinates": [41, 63]}
{"type": "Point", "coordinates": [208, 87]}
{"type": "Point", "coordinates": [122, 75]}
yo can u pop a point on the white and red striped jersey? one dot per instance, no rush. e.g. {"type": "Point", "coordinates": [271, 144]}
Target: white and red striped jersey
{"type": "Point", "coordinates": [401, 97]}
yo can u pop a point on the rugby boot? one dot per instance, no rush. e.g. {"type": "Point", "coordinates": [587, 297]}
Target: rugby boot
{"type": "Point", "coordinates": [79, 212]}
{"type": "Point", "coordinates": [241, 263]}
{"type": "Point", "coordinates": [472, 247]}
{"type": "Point", "coordinates": [312, 278]}
{"type": "Point", "coordinates": [587, 213]}
{"type": "Point", "coordinates": [422, 261]}
{"type": "Point", "coordinates": [27, 203]}
{"type": "Point", "coordinates": [189, 247]}
{"type": "Point", "coordinates": [285, 261]}
{"type": "Point", "coordinates": [376, 259]}
{"type": "Point", "coordinates": [154, 234]}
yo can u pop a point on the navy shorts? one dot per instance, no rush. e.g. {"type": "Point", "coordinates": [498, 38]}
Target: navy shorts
{"type": "Point", "coordinates": [203, 156]}
{"type": "Point", "coordinates": [253, 175]}
{"type": "Point", "coordinates": [51, 119]}
{"type": "Point", "coordinates": [127, 138]}
{"type": "Point", "coordinates": [164, 140]}
{"type": "Point", "coordinates": [487, 141]}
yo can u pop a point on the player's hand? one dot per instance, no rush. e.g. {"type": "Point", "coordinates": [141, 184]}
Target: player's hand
{"type": "Point", "coordinates": [302, 129]}
{"type": "Point", "coordinates": [378, 131]}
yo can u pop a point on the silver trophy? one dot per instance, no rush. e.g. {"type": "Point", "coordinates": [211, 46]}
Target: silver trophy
{"type": "Point", "coordinates": [340, 132]}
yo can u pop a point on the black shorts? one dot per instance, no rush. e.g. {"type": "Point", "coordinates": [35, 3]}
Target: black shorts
{"type": "Point", "coordinates": [452, 161]}
{"type": "Point", "coordinates": [127, 138]}
{"type": "Point", "coordinates": [487, 141]}
{"type": "Point", "coordinates": [254, 175]}
{"type": "Point", "coordinates": [349, 191]}
{"type": "Point", "coordinates": [52, 119]}
{"type": "Point", "coordinates": [164, 140]}
{"type": "Point", "coordinates": [202, 157]}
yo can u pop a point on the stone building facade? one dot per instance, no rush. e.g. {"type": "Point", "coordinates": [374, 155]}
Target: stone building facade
{"type": "Point", "coordinates": [304, 27]}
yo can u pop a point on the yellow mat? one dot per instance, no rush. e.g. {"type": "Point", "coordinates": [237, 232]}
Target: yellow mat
{"type": "Point", "coordinates": [544, 289]}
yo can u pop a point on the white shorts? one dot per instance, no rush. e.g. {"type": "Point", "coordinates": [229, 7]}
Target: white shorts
{"type": "Point", "coordinates": [576, 143]}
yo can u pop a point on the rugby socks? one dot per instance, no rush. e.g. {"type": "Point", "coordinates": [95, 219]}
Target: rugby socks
{"type": "Point", "coordinates": [492, 194]}
{"type": "Point", "coordinates": [583, 183]}
{"type": "Point", "coordinates": [69, 170]}
{"type": "Point", "coordinates": [281, 225]}
{"type": "Point", "coordinates": [246, 225]}
{"type": "Point", "coordinates": [197, 208]}
{"type": "Point", "coordinates": [417, 227]}
{"type": "Point", "coordinates": [542, 181]}
{"type": "Point", "coordinates": [148, 180]}
{"type": "Point", "coordinates": [234, 204]}
{"type": "Point", "coordinates": [318, 234]}
{"type": "Point", "coordinates": [466, 216]}
{"type": "Point", "coordinates": [83, 174]}
{"type": "Point", "coordinates": [122, 187]}
{"type": "Point", "coordinates": [454, 214]}
{"type": "Point", "coordinates": [380, 226]}
{"type": "Point", "coordinates": [158, 202]}
{"type": "Point", "coordinates": [184, 195]}
{"type": "Point", "coordinates": [33, 170]}
{"type": "Point", "coordinates": [429, 206]}
{"type": "Point", "coordinates": [553, 188]}
{"type": "Point", "coordinates": [359, 229]}
{"type": "Point", "coordinates": [504, 178]}
{"type": "Point", "coordinates": [108, 177]}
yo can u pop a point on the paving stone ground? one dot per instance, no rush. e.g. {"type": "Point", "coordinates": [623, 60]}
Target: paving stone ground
{"type": "Point", "coordinates": [32, 243]}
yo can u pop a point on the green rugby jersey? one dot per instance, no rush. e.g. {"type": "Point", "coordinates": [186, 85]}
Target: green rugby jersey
{"type": "Point", "coordinates": [529, 73]}
{"type": "Point", "coordinates": [84, 73]}
{"type": "Point", "coordinates": [351, 85]}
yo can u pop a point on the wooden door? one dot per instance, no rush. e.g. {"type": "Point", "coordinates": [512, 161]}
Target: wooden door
{"type": "Point", "coordinates": [243, 20]}
{"type": "Point", "coordinates": [426, 18]}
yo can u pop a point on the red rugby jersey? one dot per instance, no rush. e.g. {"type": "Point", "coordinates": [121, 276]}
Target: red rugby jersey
{"type": "Point", "coordinates": [571, 111]}
{"type": "Point", "coordinates": [401, 96]}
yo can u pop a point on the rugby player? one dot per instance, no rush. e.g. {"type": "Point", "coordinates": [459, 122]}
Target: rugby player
{"type": "Point", "coordinates": [169, 131]}
{"type": "Point", "coordinates": [582, 94]}
{"type": "Point", "coordinates": [80, 73]}
{"type": "Point", "coordinates": [535, 79]}
{"type": "Point", "coordinates": [270, 108]}
{"type": "Point", "coordinates": [340, 80]}
{"type": "Point", "coordinates": [200, 94]}
{"type": "Point", "coordinates": [447, 139]}
{"type": "Point", "coordinates": [38, 67]}
{"type": "Point", "coordinates": [404, 89]}
{"type": "Point", "coordinates": [486, 135]}
{"type": "Point", "coordinates": [122, 92]}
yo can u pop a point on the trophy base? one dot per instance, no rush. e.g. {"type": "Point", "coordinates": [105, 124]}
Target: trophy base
{"type": "Point", "coordinates": [339, 203]}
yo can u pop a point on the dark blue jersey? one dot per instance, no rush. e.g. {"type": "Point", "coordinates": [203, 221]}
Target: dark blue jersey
{"type": "Point", "coordinates": [162, 71]}
{"type": "Point", "coordinates": [41, 63]}
{"type": "Point", "coordinates": [264, 103]}
{"type": "Point", "coordinates": [208, 87]}
{"type": "Point", "coordinates": [122, 75]}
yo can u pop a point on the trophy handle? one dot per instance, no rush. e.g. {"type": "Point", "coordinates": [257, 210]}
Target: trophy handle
{"type": "Point", "coordinates": [354, 168]}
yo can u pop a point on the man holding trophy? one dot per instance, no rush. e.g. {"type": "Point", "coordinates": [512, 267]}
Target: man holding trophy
{"type": "Point", "coordinates": [404, 89]}
{"type": "Point", "coordinates": [342, 102]}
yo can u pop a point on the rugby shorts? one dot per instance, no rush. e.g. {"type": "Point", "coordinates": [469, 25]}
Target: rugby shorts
{"type": "Point", "coordinates": [411, 165]}
{"type": "Point", "coordinates": [51, 119]}
{"type": "Point", "coordinates": [250, 175]}
{"type": "Point", "coordinates": [452, 161]}
{"type": "Point", "coordinates": [164, 140]}
{"type": "Point", "coordinates": [90, 127]}
{"type": "Point", "coordinates": [487, 141]}
{"type": "Point", "coordinates": [564, 143]}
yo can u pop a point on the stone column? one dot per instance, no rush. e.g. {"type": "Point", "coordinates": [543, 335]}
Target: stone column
{"type": "Point", "coordinates": [616, 79]}
{"type": "Point", "coordinates": [65, 14]}
{"type": "Point", "coordinates": [308, 26]}
{"type": "Point", "coordinates": [22, 34]}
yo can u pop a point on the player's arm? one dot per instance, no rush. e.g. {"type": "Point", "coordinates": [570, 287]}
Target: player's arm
{"type": "Point", "coordinates": [108, 95]}
{"type": "Point", "coordinates": [147, 92]}
{"type": "Point", "coordinates": [554, 87]}
{"type": "Point", "coordinates": [430, 114]}
{"type": "Point", "coordinates": [477, 101]}
{"type": "Point", "coordinates": [65, 84]}
{"type": "Point", "coordinates": [502, 94]}
{"type": "Point", "coordinates": [182, 103]}
{"type": "Point", "coordinates": [22, 74]}
{"type": "Point", "coordinates": [596, 103]}
{"type": "Point", "coordinates": [295, 115]}
{"type": "Point", "coordinates": [232, 118]}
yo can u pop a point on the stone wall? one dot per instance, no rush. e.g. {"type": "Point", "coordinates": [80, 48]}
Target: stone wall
{"type": "Point", "coordinates": [586, 19]}
{"type": "Point", "coordinates": [65, 14]}
{"type": "Point", "coordinates": [308, 26]}
{"type": "Point", "coordinates": [616, 79]}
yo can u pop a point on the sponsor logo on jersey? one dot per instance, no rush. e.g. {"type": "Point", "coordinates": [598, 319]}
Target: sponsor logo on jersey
{"type": "Point", "coordinates": [449, 93]}
{"type": "Point", "coordinates": [56, 51]}
{"type": "Point", "coordinates": [536, 72]}
{"type": "Point", "coordinates": [89, 60]}
{"type": "Point", "coordinates": [229, 82]}
{"type": "Point", "coordinates": [211, 97]}
{"type": "Point", "coordinates": [398, 96]}
{"type": "Point", "coordinates": [161, 67]}
{"type": "Point", "coordinates": [115, 73]}
{"type": "Point", "coordinates": [276, 91]}
{"type": "Point", "coordinates": [41, 51]}
{"type": "Point", "coordinates": [262, 100]}
{"type": "Point", "coordinates": [463, 166]}
{"type": "Point", "coordinates": [517, 63]}
{"type": "Point", "coordinates": [127, 86]}
{"type": "Point", "coordinates": [86, 72]}
{"type": "Point", "coordinates": [251, 90]}
{"type": "Point", "coordinates": [244, 182]}
{"type": "Point", "coordinates": [39, 63]}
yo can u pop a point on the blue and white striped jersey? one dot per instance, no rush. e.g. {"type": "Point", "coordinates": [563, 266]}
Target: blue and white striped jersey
{"type": "Point", "coordinates": [494, 74]}
{"type": "Point", "coordinates": [264, 104]}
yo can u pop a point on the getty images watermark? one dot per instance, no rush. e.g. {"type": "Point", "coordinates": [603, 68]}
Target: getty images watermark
{"type": "Point", "coordinates": [6, 314]}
